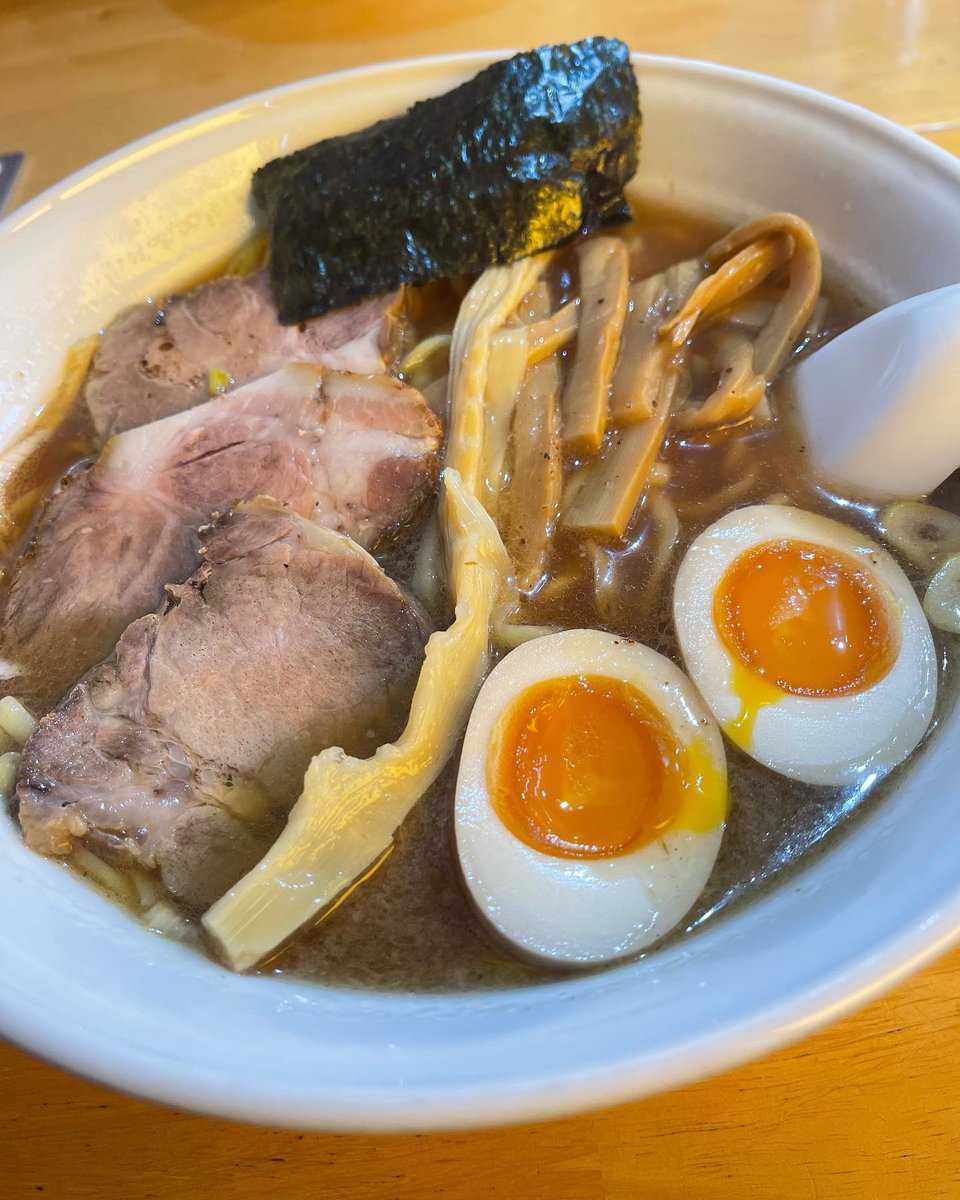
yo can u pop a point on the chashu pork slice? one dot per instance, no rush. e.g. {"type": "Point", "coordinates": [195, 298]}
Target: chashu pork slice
{"type": "Point", "coordinates": [358, 454]}
{"type": "Point", "coordinates": [155, 359]}
{"type": "Point", "coordinates": [181, 752]}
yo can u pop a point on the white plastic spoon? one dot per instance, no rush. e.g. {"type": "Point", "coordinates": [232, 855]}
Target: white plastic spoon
{"type": "Point", "coordinates": [880, 404]}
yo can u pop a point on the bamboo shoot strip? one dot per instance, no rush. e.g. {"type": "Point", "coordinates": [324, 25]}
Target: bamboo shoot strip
{"type": "Point", "coordinates": [747, 257]}
{"type": "Point", "coordinates": [643, 355]}
{"type": "Point", "coordinates": [552, 334]}
{"type": "Point", "coordinates": [484, 310]}
{"type": "Point", "coordinates": [536, 305]}
{"type": "Point", "coordinates": [794, 311]}
{"type": "Point", "coordinates": [603, 494]}
{"type": "Point", "coordinates": [752, 311]}
{"type": "Point", "coordinates": [537, 474]}
{"type": "Point", "coordinates": [508, 363]}
{"type": "Point", "coordinates": [603, 306]}
{"type": "Point", "coordinates": [745, 245]}
{"type": "Point", "coordinates": [731, 280]}
{"type": "Point", "coordinates": [737, 394]}
{"type": "Point", "coordinates": [343, 825]}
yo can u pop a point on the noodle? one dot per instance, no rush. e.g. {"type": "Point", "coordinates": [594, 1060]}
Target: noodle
{"type": "Point", "coordinates": [9, 767]}
{"type": "Point", "coordinates": [604, 562]}
{"type": "Point", "coordinates": [427, 581]}
{"type": "Point", "coordinates": [414, 362]}
{"type": "Point", "coordinates": [667, 524]}
{"type": "Point", "coordinates": [727, 497]}
{"type": "Point", "coordinates": [16, 720]}
{"type": "Point", "coordinates": [113, 880]}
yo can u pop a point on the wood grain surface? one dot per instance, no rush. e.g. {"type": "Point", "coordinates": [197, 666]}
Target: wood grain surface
{"type": "Point", "coordinates": [867, 1109]}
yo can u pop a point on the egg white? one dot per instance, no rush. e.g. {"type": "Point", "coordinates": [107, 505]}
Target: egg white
{"type": "Point", "coordinates": [822, 740]}
{"type": "Point", "coordinates": [580, 911]}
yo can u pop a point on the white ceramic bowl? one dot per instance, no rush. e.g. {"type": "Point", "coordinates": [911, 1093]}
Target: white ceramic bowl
{"type": "Point", "coordinates": [85, 987]}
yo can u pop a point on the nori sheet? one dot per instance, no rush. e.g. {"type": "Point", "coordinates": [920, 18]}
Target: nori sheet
{"type": "Point", "coordinates": [516, 160]}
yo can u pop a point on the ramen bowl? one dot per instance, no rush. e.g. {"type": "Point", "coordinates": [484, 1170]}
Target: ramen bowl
{"type": "Point", "coordinates": [86, 987]}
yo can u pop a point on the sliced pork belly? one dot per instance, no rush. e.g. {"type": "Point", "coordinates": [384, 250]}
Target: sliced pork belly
{"type": "Point", "coordinates": [179, 753]}
{"type": "Point", "coordinates": [156, 359]}
{"type": "Point", "coordinates": [357, 454]}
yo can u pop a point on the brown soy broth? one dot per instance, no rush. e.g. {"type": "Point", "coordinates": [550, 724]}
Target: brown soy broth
{"type": "Point", "coordinates": [410, 926]}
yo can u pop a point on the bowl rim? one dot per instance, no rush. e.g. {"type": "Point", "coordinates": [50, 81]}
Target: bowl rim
{"type": "Point", "coordinates": [832, 994]}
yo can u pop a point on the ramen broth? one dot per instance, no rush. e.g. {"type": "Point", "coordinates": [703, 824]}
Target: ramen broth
{"type": "Point", "coordinates": [410, 926]}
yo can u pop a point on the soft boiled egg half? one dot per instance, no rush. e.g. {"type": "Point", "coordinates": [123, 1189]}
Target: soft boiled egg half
{"type": "Point", "coordinates": [808, 643]}
{"type": "Point", "coordinates": [591, 798]}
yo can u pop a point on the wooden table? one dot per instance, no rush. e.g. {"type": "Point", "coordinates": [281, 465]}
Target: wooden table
{"type": "Point", "coordinates": [870, 1108]}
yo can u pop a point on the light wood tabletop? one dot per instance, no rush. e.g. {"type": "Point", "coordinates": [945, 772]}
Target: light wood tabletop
{"type": "Point", "coordinates": [869, 1108]}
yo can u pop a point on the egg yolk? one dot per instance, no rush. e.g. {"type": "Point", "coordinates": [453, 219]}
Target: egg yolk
{"type": "Point", "coordinates": [585, 766]}
{"type": "Point", "coordinates": [809, 619]}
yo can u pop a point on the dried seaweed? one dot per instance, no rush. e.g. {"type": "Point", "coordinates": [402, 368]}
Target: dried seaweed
{"type": "Point", "coordinates": [516, 160]}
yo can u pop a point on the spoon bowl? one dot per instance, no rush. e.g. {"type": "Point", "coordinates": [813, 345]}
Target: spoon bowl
{"type": "Point", "coordinates": [880, 404]}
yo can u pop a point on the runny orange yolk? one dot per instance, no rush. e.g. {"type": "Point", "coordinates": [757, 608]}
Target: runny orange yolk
{"type": "Point", "coordinates": [585, 766]}
{"type": "Point", "coordinates": [806, 618]}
